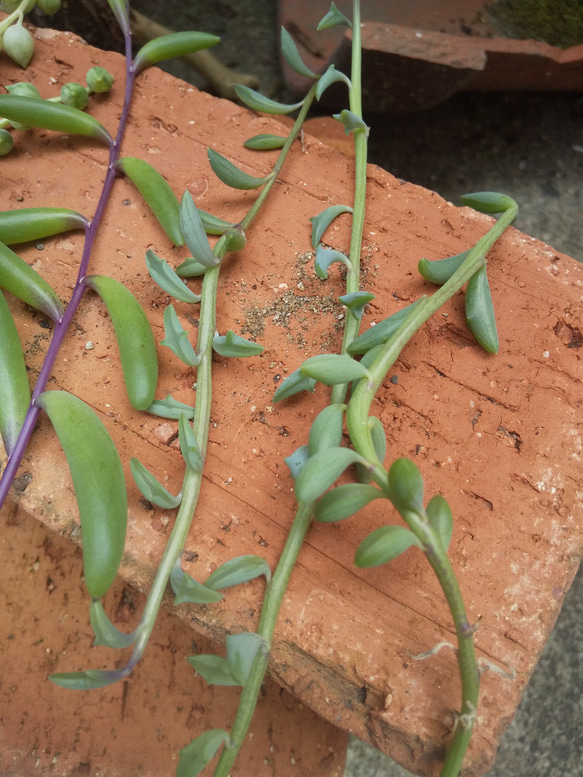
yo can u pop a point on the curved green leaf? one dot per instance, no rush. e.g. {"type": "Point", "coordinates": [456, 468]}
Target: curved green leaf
{"type": "Point", "coordinates": [190, 268]}
{"type": "Point", "coordinates": [157, 193]}
{"type": "Point", "coordinates": [168, 280]}
{"type": "Point", "coordinates": [238, 570]}
{"type": "Point", "coordinates": [230, 175]}
{"type": "Point", "coordinates": [296, 460]}
{"type": "Point", "coordinates": [333, 18]}
{"type": "Point", "coordinates": [351, 121]}
{"type": "Point", "coordinates": [406, 486]}
{"type": "Point", "coordinates": [265, 142]}
{"type": "Point", "coordinates": [441, 519]}
{"type": "Point", "coordinates": [194, 232]}
{"type": "Point", "coordinates": [151, 489]}
{"type": "Point", "coordinates": [332, 368]}
{"type": "Point", "coordinates": [331, 76]}
{"type": "Point", "coordinates": [188, 590]}
{"type": "Point", "coordinates": [384, 545]}
{"type": "Point", "coordinates": [99, 484]}
{"type": "Point", "coordinates": [135, 340]}
{"type": "Point", "coordinates": [380, 333]}
{"type": "Point", "coordinates": [175, 44]}
{"type": "Point", "coordinates": [17, 277]}
{"type": "Point", "coordinates": [177, 339]}
{"type": "Point", "coordinates": [326, 430]}
{"type": "Point", "coordinates": [292, 55]}
{"type": "Point", "coordinates": [189, 445]}
{"type": "Point", "coordinates": [241, 651]}
{"type": "Point", "coordinates": [322, 221]}
{"type": "Point", "coordinates": [321, 470]}
{"type": "Point", "coordinates": [233, 345]}
{"type": "Point", "coordinates": [29, 224]}
{"type": "Point", "coordinates": [440, 270]}
{"type": "Point", "coordinates": [327, 256]}
{"type": "Point", "coordinates": [214, 669]}
{"type": "Point", "coordinates": [88, 680]}
{"type": "Point", "coordinates": [343, 501]}
{"type": "Point", "coordinates": [480, 315]}
{"type": "Point", "coordinates": [105, 632]}
{"type": "Point", "coordinates": [356, 302]}
{"type": "Point", "coordinates": [212, 224]}
{"type": "Point", "coordinates": [36, 112]}
{"type": "Point", "coordinates": [14, 386]}
{"type": "Point", "coordinates": [170, 408]}
{"type": "Point", "coordinates": [294, 384]}
{"type": "Point", "coordinates": [121, 12]}
{"type": "Point", "coordinates": [488, 202]}
{"type": "Point", "coordinates": [195, 756]}
{"type": "Point", "coordinates": [258, 102]}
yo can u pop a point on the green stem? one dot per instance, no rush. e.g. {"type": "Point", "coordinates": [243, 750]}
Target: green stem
{"type": "Point", "coordinates": [271, 605]}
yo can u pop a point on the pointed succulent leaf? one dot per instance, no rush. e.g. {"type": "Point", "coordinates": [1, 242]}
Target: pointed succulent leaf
{"type": "Point", "coordinates": [258, 102]}
{"type": "Point", "coordinates": [326, 431]}
{"type": "Point", "coordinates": [177, 339]}
{"type": "Point", "coordinates": [190, 268]}
{"type": "Point", "coordinates": [234, 345]}
{"type": "Point", "coordinates": [343, 501]}
{"type": "Point", "coordinates": [296, 460]}
{"type": "Point", "coordinates": [6, 142]}
{"type": "Point", "coordinates": [105, 632]}
{"type": "Point", "coordinates": [327, 256]}
{"type": "Point", "coordinates": [194, 757]}
{"type": "Point", "coordinates": [88, 680]}
{"type": "Point", "coordinates": [168, 280]}
{"type": "Point", "coordinates": [189, 445]}
{"type": "Point", "coordinates": [331, 76]}
{"type": "Point", "coordinates": [488, 202]}
{"type": "Point", "coordinates": [29, 224]}
{"type": "Point", "coordinates": [17, 277]}
{"type": "Point", "coordinates": [381, 332]}
{"type": "Point", "coordinates": [351, 121]}
{"type": "Point", "coordinates": [194, 232]}
{"type": "Point", "coordinates": [384, 545]}
{"type": "Point", "coordinates": [14, 386]}
{"type": "Point", "coordinates": [231, 175]}
{"type": "Point", "coordinates": [406, 486]}
{"type": "Point", "coordinates": [378, 436]}
{"type": "Point", "coordinates": [157, 193]}
{"type": "Point", "coordinates": [440, 270]}
{"type": "Point", "coordinates": [175, 44]}
{"type": "Point", "coordinates": [214, 669]}
{"type": "Point", "coordinates": [294, 384]}
{"type": "Point", "coordinates": [212, 224]}
{"type": "Point", "coordinates": [292, 55]}
{"type": "Point", "coordinates": [441, 519]}
{"type": "Point", "coordinates": [18, 44]}
{"type": "Point", "coordinates": [241, 651]}
{"type": "Point", "coordinates": [321, 470]}
{"type": "Point", "coordinates": [99, 483]}
{"type": "Point", "coordinates": [151, 489]}
{"type": "Point", "coordinates": [170, 408]}
{"type": "Point", "coordinates": [332, 368]}
{"type": "Point", "coordinates": [23, 88]}
{"type": "Point", "coordinates": [188, 590]}
{"type": "Point", "coordinates": [333, 18]}
{"type": "Point", "coordinates": [238, 570]}
{"type": "Point", "coordinates": [480, 315]}
{"type": "Point", "coordinates": [265, 142]}
{"type": "Point", "coordinates": [35, 112]}
{"type": "Point", "coordinates": [121, 12]}
{"type": "Point", "coordinates": [356, 302]}
{"type": "Point", "coordinates": [322, 221]}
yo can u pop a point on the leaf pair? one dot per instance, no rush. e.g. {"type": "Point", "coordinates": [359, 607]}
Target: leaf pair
{"type": "Point", "coordinates": [237, 570]}
{"type": "Point", "coordinates": [235, 669]}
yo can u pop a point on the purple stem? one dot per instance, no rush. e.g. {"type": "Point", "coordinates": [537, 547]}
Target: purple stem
{"type": "Point", "coordinates": [61, 327]}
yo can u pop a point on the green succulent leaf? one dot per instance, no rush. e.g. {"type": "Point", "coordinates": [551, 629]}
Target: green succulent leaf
{"type": "Point", "coordinates": [238, 570]}
{"type": "Point", "coordinates": [235, 239]}
{"type": "Point", "coordinates": [294, 384]}
{"type": "Point", "coordinates": [241, 651]}
{"type": "Point", "coordinates": [188, 590]}
{"type": "Point", "coordinates": [6, 142]}
{"type": "Point", "coordinates": [214, 669]}
{"type": "Point", "coordinates": [88, 680]}
{"type": "Point", "coordinates": [488, 202]}
{"type": "Point", "coordinates": [171, 408]}
{"type": "Point", "coordinates": [194, 232]}
{"type": "Point", "coordinates": [99, 483]}
{"type": "Point", "coordinates": [189, 445]}
{"type": "Point", "coordinates": [48, 7]}
{"type": "Point", "coordinates": [212, 224]}
{"type": "Point", "coordinates": [121, 12]}
{"type": "Point", "coordinates": [327, 256]}
{"type": "Point", "coordinates": [322, 221]}
{"type": "Point", "coordinates": [440, 270]}
{"type": "Point", "coordinates": [233, 345]}
{"type": "Point", "coordinates": [296, 460]}
{"type": "Point", "coordinates": [406, 486]}
{"type": "Point", "coordinates": [265, 142]}
{"type": "Point", "coordinates": [332, 368]}
{"type": "Point", "coordinates": [343, 501]}
{"type": "Point", "coordinates": [168, 280]}
{"type": "Point", "coordinates": [480, 315]}
{"type": "Point", "coordinates": [30, 224]}
{"type": "Point", "coordinates": [230, 175]}
{"type": "Point", "coordinates": [257, 102]}
{"type": "Point", "coordinates": [35, 112]}
{"type": "Point", "coordinates": [177, 339]}
{"type": "Point", "coordinates": [321, 470]}
{"type": "Point", "coordinates": [331, 76]}
{"type": "Point", "coordinates": [151, 489]}
{"type": "Point", "coordinates": [381, 332]}
{"type": "Point", "coordinates": [99, 80]}
{"type": "Point", "coordinates": [190, 268]}
{"type": "Point", "coordinates": [18, 44]}
{"type": "Point", "coordinates": [356, 302]}
{"type": "Point", "coordinates": [326, 431]}
{"type": "Point", "coordinates": [351, 121]}
{"type": "Point", "coordinates": [333, 18]}
{"type": "Point", "coordinates": [157, 193]}
{"type": "Point", "coordinates": [14, 386]}
{"type": "Point", "coordinates": [105, 632]}
{"type": "Point", "coordinates": [194, 757]}
{"type": "Point", "coordinates": [175, 44]}
{"type": "Point", "coordinates": [379, 441]}
{"type": "Point", "coordinates": [17, 277]}
{"type": "Point", "coordinates": [292, 55]}
{"type": "Point", "coordinates": [441, 519]}
{"type": "Point", "coordinates": [74, 95]}
{"type": "Point", "coordinates": [384, 545]}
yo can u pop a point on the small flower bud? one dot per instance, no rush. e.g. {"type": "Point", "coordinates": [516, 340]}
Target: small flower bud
{"type": "Point", "coordinates": [235, 239]}
{"type": "Point", "coordinates": [18, 44]}
{"type": "Point", "coordinates": [74, 95]}
{"type": "Point", "coordinates": [99, 80]}
{"type": "Point", "coordinates": [6, 142]}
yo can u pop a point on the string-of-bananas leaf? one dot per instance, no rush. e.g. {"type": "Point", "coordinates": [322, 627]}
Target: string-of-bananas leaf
{"type": "Point", "coordinates": [17, 277]}
{"type": "Point", "coordinates": [14, 386]}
